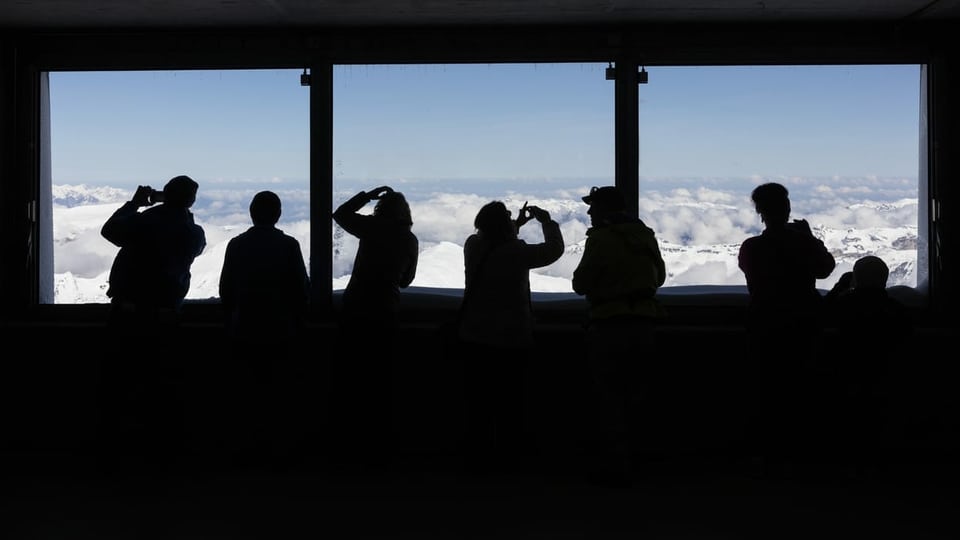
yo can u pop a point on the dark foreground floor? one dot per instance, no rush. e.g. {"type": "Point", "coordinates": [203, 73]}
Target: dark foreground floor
{"type": "Point", "coordinates": [57, 497]}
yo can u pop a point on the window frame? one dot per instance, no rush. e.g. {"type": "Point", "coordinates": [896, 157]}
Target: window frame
{"type": "Point", "coordinates": [99, 53]}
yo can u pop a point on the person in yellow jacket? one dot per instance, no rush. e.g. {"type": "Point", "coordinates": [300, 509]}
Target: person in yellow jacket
{"type": "Point", "coordinates": [619, 273]}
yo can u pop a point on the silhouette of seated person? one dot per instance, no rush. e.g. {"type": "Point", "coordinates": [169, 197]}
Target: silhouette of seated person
{"type": "Point", "coordinates": [784, 320]}
{"type": "Point", "coordinates": [859, 302]}
{"type": "Point", "coordinates": [871, 332]}
{"type": "Point", "coordinates": [264, 293]}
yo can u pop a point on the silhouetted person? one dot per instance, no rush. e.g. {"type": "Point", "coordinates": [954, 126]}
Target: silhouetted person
{"type": "Point", "coordinates": [619, 273]}
{"type": "Point", "coordinates": [497, 330]}
{"type": "Point", "coordinates": [150, 275]}
{"type": "Point", "coordinates": [149, 279]}
{"type": "Point", "coordinates": [871, 330]}
{"type": "Point", "coordinates": [264, 292]}
{"type": "Point", "coordinates": [386, 262]}
{"type": "Point", "coordinates": [264, 287]}
{"type": "Point", "coordinates": [784, 318]}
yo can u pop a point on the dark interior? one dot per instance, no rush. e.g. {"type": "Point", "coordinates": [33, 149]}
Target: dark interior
{"type": "Point", "coordinates": [701, 479]}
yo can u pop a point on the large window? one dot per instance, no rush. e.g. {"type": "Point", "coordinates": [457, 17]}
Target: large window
{"type": "Point", "coordinates": [454, 137]}
{"type": "Point", "coordinates": [846, 140]}
{"type": "Point", "coordinates": [235, 132]}
{"type": "Point", "coordinates": [843, 139]}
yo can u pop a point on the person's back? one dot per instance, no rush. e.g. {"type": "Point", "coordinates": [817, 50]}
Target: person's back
{"type": "Point", "coordinates": [619, 273]}
{"type": "Point", "coordinates": [871, 333]}
{"type": "Point", "coordinates": [784, 323]}
{"type": "Point", "coordinates": [622, 267]}
{"type": "Point", "coordinates": [863, 307]}
{"type": "Point", "coordinates": [387, 254]}
{"type": "Point", "coordinates": [496, 332]}
{"type": "Point", "coordinates": [497, 276]}
{"type": "Point", "coordinates": [142, 377]}
{"type": "Point", "coordinates": [780, 264]}
{"type": "Point", "coordinates": [157, 248]}
{"type": "Point", "coordinates": [264, 287]}
{"type": "Point", "coordinates": [783, 263]}
{"type": "Point", "coordinates": [871, 327]}
{"type": "Point", "coordinates": [254, 394]}
{"type": "Point", "coordinates": [360, 378]}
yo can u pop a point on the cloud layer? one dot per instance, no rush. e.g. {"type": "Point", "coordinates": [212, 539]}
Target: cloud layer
{"type": "Point", "coordinates": [700, 225]}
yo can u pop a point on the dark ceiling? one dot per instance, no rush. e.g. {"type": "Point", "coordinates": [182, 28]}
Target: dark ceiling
{"type": "Point", "coordinates": [266, 14]}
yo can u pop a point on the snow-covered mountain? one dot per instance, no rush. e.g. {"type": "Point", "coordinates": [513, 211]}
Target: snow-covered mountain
{"type": "Point", "coordinates": [699, 239]}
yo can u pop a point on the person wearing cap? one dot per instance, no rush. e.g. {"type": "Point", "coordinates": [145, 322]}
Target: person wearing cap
{"type": "Point", "coordinates": [619, 273]}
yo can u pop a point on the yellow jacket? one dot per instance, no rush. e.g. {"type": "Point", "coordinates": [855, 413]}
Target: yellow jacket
{"type": "Point", "coordinates": [620, 271]}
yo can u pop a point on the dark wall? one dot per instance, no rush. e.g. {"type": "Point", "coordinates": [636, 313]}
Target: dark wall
{"type": "Point", "coordinates": [700, 389]}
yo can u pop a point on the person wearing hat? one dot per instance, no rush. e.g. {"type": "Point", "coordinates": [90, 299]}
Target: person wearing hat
{"type": "Point", "coordinates": [619, 273]}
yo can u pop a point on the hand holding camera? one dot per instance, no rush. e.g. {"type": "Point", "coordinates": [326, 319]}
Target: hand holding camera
{"type": "Point", "coordinates": [523, 215]}
{"type": "Point", "coordinates": [528, 212]}
{"type": "Point", "coordinates": [147, 196]}
{"type": "Point", "coordinates": [800, 225]}
{"type": "Point", "coordinates": [376, 193]}
{"type": "Point", "coordinates": [539, 214]}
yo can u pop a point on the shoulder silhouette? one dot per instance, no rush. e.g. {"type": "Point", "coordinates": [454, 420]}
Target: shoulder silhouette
{"type": "Point", "coordinates": [157, 248]}
{"type": "Point", "coordinates": [264, 287]}
{"type": "Point", "coordinates": [496, 328]}
{"type": "Point", "coordinates": [619, 273]}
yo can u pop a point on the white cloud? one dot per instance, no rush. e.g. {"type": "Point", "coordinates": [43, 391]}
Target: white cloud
{"type": "Point", "coordinates": [699, 230]}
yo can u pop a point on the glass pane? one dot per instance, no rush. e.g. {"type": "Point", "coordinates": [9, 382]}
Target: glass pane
{"type": "Point", "coordinates": [454, 137]}
{"type": "Point", "coordinates": [844, 140]}
{"type": "Point", "coordinates": [235, 132]}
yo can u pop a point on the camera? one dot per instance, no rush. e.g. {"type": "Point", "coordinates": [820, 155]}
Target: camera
{"type": "Point", "coordinates": [155, 196]}
{"type": "Point", "coordinates": [799, 225]}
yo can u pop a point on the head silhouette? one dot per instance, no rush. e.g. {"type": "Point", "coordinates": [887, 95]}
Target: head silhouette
{"type": "Point", "coordinates": [393, 205]}
{"type": "Point", "coordinates": [870, 272]}
{"type": "Point", "coordinates": [265, 208]}
{"type": "Point", "coordinates": [605, 204]}
{"type": "Point", "coordinates": [180, 191]}
{"type": "Point", "coordinates": [772, 201]}
{"type": "Point", "coordinates": [493, 221]}
{"type": "Point", "coordinates": [606, 198]}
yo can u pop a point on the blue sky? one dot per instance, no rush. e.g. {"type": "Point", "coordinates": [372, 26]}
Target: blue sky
{"type": "Point", "coordinates": [469, 122]}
